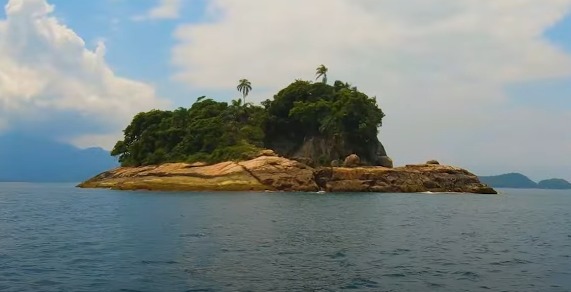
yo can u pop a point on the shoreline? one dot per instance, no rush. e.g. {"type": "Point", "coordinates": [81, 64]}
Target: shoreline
{"type": "Point", "coordinates": [278, 174]}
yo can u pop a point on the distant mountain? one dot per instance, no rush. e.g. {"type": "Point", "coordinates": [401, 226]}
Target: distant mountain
{"type": "Point", "coordinates": [520, 181]}
{"type": "Point", "coordinates": [510, 180]}
{"type": "Point", "coordinates": [555, 184]}
{"type": "Point", "coordinates": [30, 159]}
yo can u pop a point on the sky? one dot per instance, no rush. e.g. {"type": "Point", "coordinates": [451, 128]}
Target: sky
{"type": "Point", "coordinates": [481, 84]}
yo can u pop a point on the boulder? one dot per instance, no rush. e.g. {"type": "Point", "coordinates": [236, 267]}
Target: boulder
{"type": "Point", "coordinates": [433, 162]}
{"type": "Point", "coordinates": [352, 161]}
{"type": "Point", "coordinates": [386, 161]}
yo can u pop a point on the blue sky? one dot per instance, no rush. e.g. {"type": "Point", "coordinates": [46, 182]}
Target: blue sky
{"type": "Point", "coordinates": [479, 84]}
{"type": "Point", "coordinates": [137, 49]}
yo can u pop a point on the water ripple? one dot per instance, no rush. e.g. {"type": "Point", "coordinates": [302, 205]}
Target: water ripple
{"type": "Point", "coordinates": [58, 238]}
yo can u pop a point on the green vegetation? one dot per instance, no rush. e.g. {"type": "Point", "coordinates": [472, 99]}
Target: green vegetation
{"type": "Point", "coordinates": [321, 72]}
{"type": "Point", "coordinates": [209, 131]}
{"type": "Point", "coordinates": [339, 119]}
{"type": "Point", "coordinates": [244, 87]}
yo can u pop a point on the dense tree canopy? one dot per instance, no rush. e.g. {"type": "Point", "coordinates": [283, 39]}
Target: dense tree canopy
{"type": "Point", "coordinates": [209, 131]}
{"type": "Point", "coordinates": [345, 119]}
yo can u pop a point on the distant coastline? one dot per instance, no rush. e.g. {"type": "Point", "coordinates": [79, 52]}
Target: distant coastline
{"type": "Point", "coordinates": [520, 181]}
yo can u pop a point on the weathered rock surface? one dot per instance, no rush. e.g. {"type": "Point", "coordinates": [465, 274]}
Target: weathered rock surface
{"type": "Point", "coordinates": [408, 179]}
{"type": "Point", "coordinates": [272, 173]}
{"type": "Point", "coordinates": [263, 173]}
{"type": "Point", "coordinates": [352, 161]}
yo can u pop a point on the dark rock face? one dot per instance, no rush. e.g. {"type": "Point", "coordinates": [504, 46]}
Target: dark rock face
{"type": "Point", "coordinates": [435, 162]}
{"type": "Point", "coordinates": [321, 151]}
{"type": "Point", "coordinates": [385, 161]}
{"type": "Point", "coordinates": [352, 161]}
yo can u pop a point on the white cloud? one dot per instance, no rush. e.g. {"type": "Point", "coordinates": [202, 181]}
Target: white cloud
{"type": "Point", "coordinates": [165, 9]}
{"type": "Point", "coordinates": [438, 67]}
{"type": "Point", "coordinates": [47, 72]}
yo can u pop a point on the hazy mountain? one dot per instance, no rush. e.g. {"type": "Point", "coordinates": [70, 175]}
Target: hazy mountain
{"type": "Point", "coordinates": [520, 181]}
{"type": "Point", "coordinates": [555, 184]}
{"type": "Point", "coordinates": [509, 180]}
{"type": "Point", "coordinates": [30, 159]}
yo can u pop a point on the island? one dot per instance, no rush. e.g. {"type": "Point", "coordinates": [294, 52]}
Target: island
{"type": "Point", "coordinates": [520, 181]}
{"type": "Point", "coordinates": [311, 137]}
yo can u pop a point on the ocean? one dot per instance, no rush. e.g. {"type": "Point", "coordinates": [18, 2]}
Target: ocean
{"type": "Point", "coordinates": [55, 237]}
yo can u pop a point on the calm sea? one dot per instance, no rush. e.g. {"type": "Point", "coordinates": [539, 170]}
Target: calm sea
{"type": "Point", "coordinates": [55, 237]}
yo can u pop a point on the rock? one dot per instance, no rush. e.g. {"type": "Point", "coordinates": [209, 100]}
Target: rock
{"type": "Point", "coordinates": [352, 161]}
{"type": "Point", "coordinates": [386, 161]}
{"type": "Point", "coordinates": [433, 162]}
{"type": "Point", "coordinates": [335, 163]}
{"type": "Point", "coordinates": [304, 160]}
{"type": "Point", "coordinates": [267, 152]}
{"type": "Point", "coordinates": [197, 164]}
{"type": "Point", "coordinates": [263, 173]}
{"type": "Point", "coordinates": [409, 179]}
{"type": "Point", "coordinates": [272, 173]}
{"type": "Point", "coordinates": [281, 174]}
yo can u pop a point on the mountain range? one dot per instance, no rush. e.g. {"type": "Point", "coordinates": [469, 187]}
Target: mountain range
{"type": "Point", "coordinates": [32, 159]}
{"type": "Point", "coordinates": [520, 181]}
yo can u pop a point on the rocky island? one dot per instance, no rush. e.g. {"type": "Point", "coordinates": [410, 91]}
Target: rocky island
{"type": "Point", "coordinates": [310, 137]}
{"type": "Point", "coordinates": [272, 173]}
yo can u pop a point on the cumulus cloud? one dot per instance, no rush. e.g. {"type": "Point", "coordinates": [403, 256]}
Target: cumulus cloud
{"type": "Point", "coordinates": [165, 9]}
{"type": "Point", "coordinates": [50, 81]}
{"type": "Point", "coordinates": [439, 69]}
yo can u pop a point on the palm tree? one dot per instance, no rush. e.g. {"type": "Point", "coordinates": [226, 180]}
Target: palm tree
{"type": "Point", "coordinates": [321, 71]}
{"type": "Point", "coordinates": [244, 86]}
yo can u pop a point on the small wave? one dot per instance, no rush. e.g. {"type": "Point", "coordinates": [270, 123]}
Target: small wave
{"type": "Point", "coordinates": [338, 255]}
{"type": "Point", "coordinates": [159, 262]}
{"type": "Point", "coordinates": [511, 262]}
{"type": "Point", "coordinates": [400, 251]}
{"type": "Point", "coordinates": [193, 235]}
{"type": "Point", "coordinates": [395, 275]}
{"type": "Point", "coordinates": [435, 285]}
{"type": "Point", "coordinates": [46, 283]}
{"type": "Point", "coordinates": [358, 283]}
{"type": "Point", "coordinates": [467, 275]}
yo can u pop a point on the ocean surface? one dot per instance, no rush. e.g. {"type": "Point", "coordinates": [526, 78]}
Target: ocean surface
{"type": "Point", "coordinates": [55, 237]}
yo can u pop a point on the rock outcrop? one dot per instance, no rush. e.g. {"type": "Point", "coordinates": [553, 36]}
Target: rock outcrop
{"type": "Point", "coordinates": [386, 161]}
{"type": "Point", "coordinates": [352, 161]}
{"type": "Point", "coordinates": [273, 173]}
{"type": "Point", "coordinates": [408, 179]}
{"type": "Point", "coordinates": [270, 173]}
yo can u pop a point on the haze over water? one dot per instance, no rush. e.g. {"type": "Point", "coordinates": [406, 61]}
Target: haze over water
{"type": "Point", "coordinates": [58, 238]}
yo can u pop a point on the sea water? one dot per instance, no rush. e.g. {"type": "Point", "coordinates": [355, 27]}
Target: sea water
{"type": "Point", "coordinates": [55, 237]}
